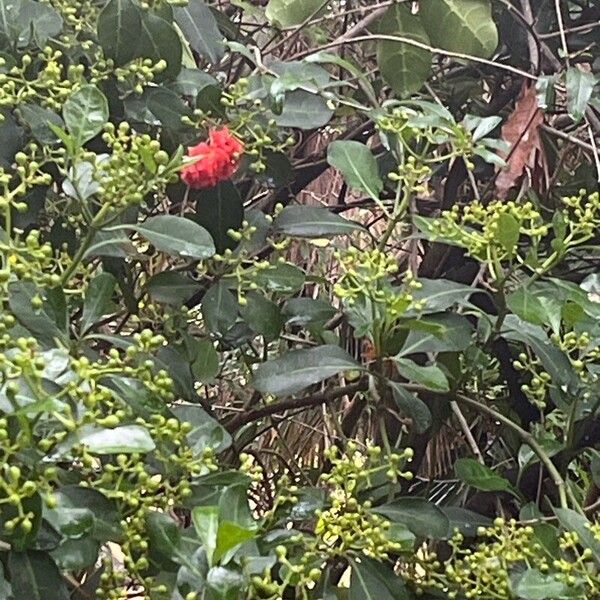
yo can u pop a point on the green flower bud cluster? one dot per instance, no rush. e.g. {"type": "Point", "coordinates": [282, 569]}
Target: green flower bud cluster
{"type": "Point", "coordinates": [478, 228]}
{"type": "Point", "coordinates": [582, 215]}
{"type": "Point", "coordinates": [79, 16]}
{"type": "Point", "coordinates": [137, 166]}
{"type": "Point", "coordinates": [540, 383]}
{"type": "Point", "coordinates": [508, 547]}
{"type": "Point", "coordinates": [366, 274]}
{"type": "Point", "coordinates": [581, 351]}
{"type": "Point", "coordinates": [412, 176]}
{"type": "Point", "coordinates": [137, 74]}
{"type": "Point", "coordinates": [40, 78]}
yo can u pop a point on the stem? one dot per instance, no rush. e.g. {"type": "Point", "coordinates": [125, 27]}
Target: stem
{"type": "Point", "coordinates": [528, 439]}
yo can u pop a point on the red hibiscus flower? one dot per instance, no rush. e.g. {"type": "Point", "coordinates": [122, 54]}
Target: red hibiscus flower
{"type": "Point", "coordinates": [216, 160]}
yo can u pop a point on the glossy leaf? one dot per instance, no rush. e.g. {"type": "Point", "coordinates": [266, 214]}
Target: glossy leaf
{"type": "Point", "coordinates": [423, 518]}
{"type": "Point", "coordinates": [299, 369]}
{"type": "Point", "coordinates": [479, 476]}
{"type": "Point", "coordinates": [356, 163]}
{"type": "Point", "coordinates": [98, 299]}
{"type": "Point", "coordinates": [199, 26]}
{"type": "Point", "coordinates": [171, 287]}
{"type": "Point", "coordinates": [85, 113]}
{"type": "Point", "coordinates": [535, 585]}
{"type": "Point", "coordinates": [124, 439]}
{"type": "Point", "coordinates": [119, 23]}
{"type": "Point", "coordinates": [411, 405]}
{"type": "Point", "coordinates": [35, 576]}
{"type": "Point", "coordinates": [287, 13]}
{"type": "Point", "coordinates": [580, 87]}
{"type": "Point", "coordinates": [431, 377]}
{"type": "Point", "coordinates": [312, 222]}
{"type": "Point", "coordinates": [219, 308]}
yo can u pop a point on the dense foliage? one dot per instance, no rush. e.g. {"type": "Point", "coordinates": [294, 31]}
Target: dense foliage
{"type": "Point", "coordinates": [300, 299]}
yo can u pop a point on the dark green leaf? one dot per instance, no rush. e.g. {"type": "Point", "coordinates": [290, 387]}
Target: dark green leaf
{"type": "Point", "coordinates": [119, 28]}
{"type": "Point", "coordinates": [36, 118]}
{"type": "Point", "coordinates": [312, 222]}
{"type": "Point", "coordinates": [573, 521]}
{"type": "Point", "coordinates": [372, 580]}
{"type": "Point", "coordinates": [534, 585]}
{"type": "Point", "coordinates": [580, 87]}
{"type": "Point", "coordinates": [357, 164]}
{"type": "Point", "coordinates": [423, 518]}
{"type": "Point", "coordinates": [177, 236]}
{"type": "Point", "coordinates": [431, 377]}
{"type": "Point", "coordinates": [223, 584]}
{"type": "Point", "coordinates": [283, 278]}
{"type": "Point", "coordinates": [35, 576]}
{"type": "Point", "coordinates": [299, 369]}
{"type": "Point", "coordinates": [411, 405]}
{"type": "Point", "coordinates": [159, 41]}
{"type": "Point", "coordinates": [479, 476]}
{"type": "Point", "coordinates": [404, 67]}
{"type": "Point", "coordinates": [304, 110]}
{"type": "Point", "coordinates": [219, 308]}
{"type": "Point", "coordinates": [171, 287]}
{"type": "Point", "coordinates": [466, 521]}
{"type": "Point", "coordinates": [200, 29]}
{"type": "Point", "coordinates": [125, 439]}
{"type": "Point", "coordinates": [508, 232]}
{"type": "Point", "coordinates": [206, 362]}
{"type": "Point", "coordinates": [206, 524]}
{"type": "Point", "coordinates": [98, 299]}
{"type": "Point", "coordinates": [287, 13]}
{"type": "Point", "coordinates": [85, 113]}
{"type": "Point", "coordinates": [304, 311]}
{"type": "Point", "coordinates": [164, 538]}
{"type": "Point", "coordinates": [218, 210]}
{"type": "Point", "coordinates": [262, 316]}
{"type": "Point", "coordinates": [76, 555]}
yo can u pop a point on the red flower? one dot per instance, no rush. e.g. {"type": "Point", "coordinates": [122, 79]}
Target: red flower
{"type": "Point", "coordinates": [216, 160]}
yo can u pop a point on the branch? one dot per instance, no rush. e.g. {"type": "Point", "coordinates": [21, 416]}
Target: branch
{"type": "Point", "coordinates": [296, 403]}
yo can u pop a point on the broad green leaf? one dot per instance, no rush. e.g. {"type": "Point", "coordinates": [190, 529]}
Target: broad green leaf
{"type": "Point", "coordinates": [283, 278]}
{"type": "Point", "coordinates": [71, 522]}
{"type": "Point", "coordinates": [262, 316]}
{"type": "Point", "coordinates": [312, 222]}
{"type": "Point", "coordinates": [229, 536]}
{"type": "Point", "coordinates": [119, 28]}
{"type": "Point", "coordinates": [421, 517]}
{"type": "Point", "coordinates": [537, 305]}
{"type": "Point", "coordinates": [160, 41]}
{"type": "Point", "coordinates": [164, 539]}
{"type": "Point", "coordinates": [372, 580]}
{"type": "Point", "coordinates": [218, 210]}
{"type": "Point", "coordinates": [404, 67]}
{"type": "Point", "coordinates": [431, 377]}
{"type": "Point", "coordinates": [206, 524]}
{"type": "Point", "coordinates": [219, 308]}
{"type": "Point", "coordinates": [479, 476]}
{"type": "Point", "coordinates": [466, 521]}
{"type": "Point", "coordinates": [76, 555]}
{"type": "Point", "coordinates": [124, 439]}
{"type": "Point", "coordinates": [177, 236]}
{"type": "Point", "coordinates": [36, 118]}
{"type": "Point", "coordinates": [98, 299]}
{"type": "Point", "coordinates": [85, 113]}
{"type": "Point", "coordinates": [441, 294]}
{"type": "Point", "coordinates": [535, 585]}
{"type": "Point", "coordinates": [171, 287]}
{"type": "Point", "coordinates": [356, 163]}
{"type": "Point", "coordinates": [200, 29]}
{"type": "Point", "coordinates": [464, 26]}
{"type": "Point", "coordinates": [573, 521]}
{"type": "Point", "coordinates": [580, 87]}
{"type": "Point", "coordinates": [299, 369]}
{"type": "Point", "coordinates": [35, 576]}
{"type": "Point", "coordinates": [450, 333]}
{"type": "Point", "coordinates": [304, 110]}
{"type": "Point", "coordinates": [411, 405]}
{"type": "Point", "coordinates": [206, 431]}
{"type": "Point", "coordinates": [206, 362]}
{"type": "Point", "coordinates": [224, 584]}
{"type": "Point", "coordinates": [304, 311]}
{"type": "Point", "coordinates": [190, 82]}
{"type": "Point", "coordinates": [287, 13]}
{"type": "Point", "coordinates": [508, 232]}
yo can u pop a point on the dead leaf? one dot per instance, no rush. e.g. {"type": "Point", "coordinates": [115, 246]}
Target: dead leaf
{"type": "Point", "coordinates": [522, 134]}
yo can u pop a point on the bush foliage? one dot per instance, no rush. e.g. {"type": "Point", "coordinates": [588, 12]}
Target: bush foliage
{"type": "Point", "coordinates": [357, 357]}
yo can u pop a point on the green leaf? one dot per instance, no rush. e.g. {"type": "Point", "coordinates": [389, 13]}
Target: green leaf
{"type": "Point", "coordinates": [119, 28]}
{"type": "Point", "coordinates": [229, 536]}
{"type": "Point", "coordinates": [219, 308]}
{"type": "Point", "coordinates": [431, 377]}
{"type": "Point", "coordinates": [411, 405]}
{"type": "Point", "coordinates": [76, 555]}
{"type": "Point", "coordinates": [479, 476]}
{"type": "Point", "coordinates": [466, 521]}
{"type": "Point", "coordinates": [312, 222]}
{"type": "Point", "coordinates": [533, 304]}
{"type": "Point", "coordinates": [177, 236]}
{"type": "Point", "coordinates": [35, 576]}
{"type": "Point", "coordinates": [206, 431]}
{"type": "Point", "coordinates": [200, 29]}
{"type": "Point", "coordinates": [36, 118]}
{"type": "Point", "coordinates": [71, 522]}
{"type": "Point", "coordinates": [218, 210]}
{"type": "Point", "coordinates": [125, 439]}
{"type": "Point", "coordinates": [534, 585]}
{"type": "Point", "coordinates": [287, 13]}
{"type": "Point", "coordinates": [206, 524]}
{"type": "Point", "coordinates": [304, 110]}
{"type": "Point", "coordinates": [573, 521]}
{"type": "Point", "coordinates": [164, 538]}
{"type": "Point", "coordinates": [224, 584]}
{"type": "Point", "coordinates": [464, 26]}
{"type": "Point", "coordinates": [262, 316]}
{"type": "Point", "coordinates": [358, 166]}
{"type": "Point", "coordinates": [299, 369]}
{"type": "Point", "coordinates": [98, 299]}
{"type": "Point", "coordinates": [580, 87]}
{"type": "Point", "coordinates": [160, 41]}
{"type": "Point", "coordinates": [508, 232]}
{"type": "Point", "coordinates": [421, 517]}
{"type": "Point", "coordinates": [371, 580]}
{"type": "Point", "coordinates": [206, 362]}
{"type": "Point", "coordinates": [450, 333]}
{"type": "Point", "coordinates": [190, 82]}
{"type": "Point", "coordinates": [85, 113]}
{"type": "Point", "coordinates": [404, 67]}
{"type": "Point", "coordinates": [283, 278]}
{"type": "Point", "coordinates": [441, 294]}
{"type": "Point", "coordinates": [171, 287]}
{"type": "Point", "coordinates": [305, 311]}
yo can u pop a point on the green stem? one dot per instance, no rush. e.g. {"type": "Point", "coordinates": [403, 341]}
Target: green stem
{"type": "Point", "coordinates": [528, 439]}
